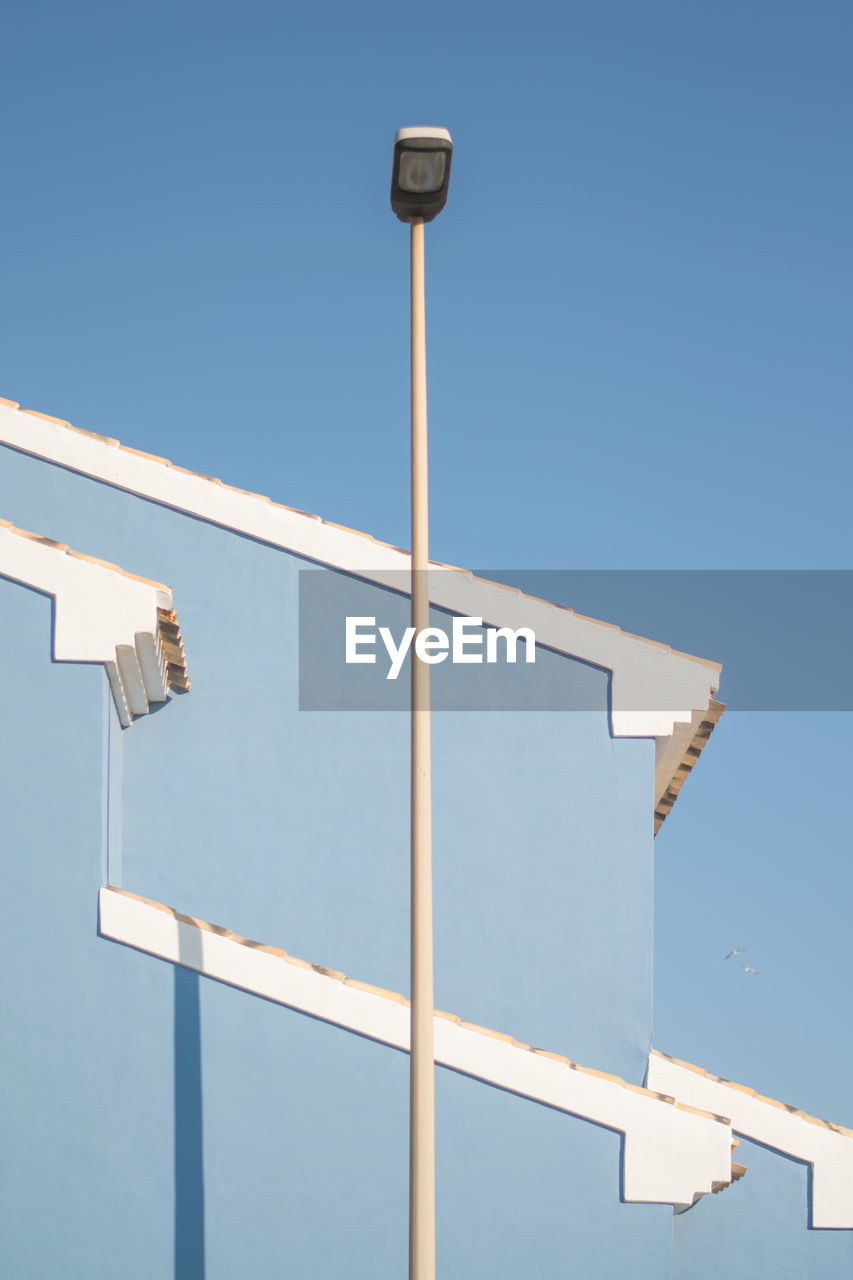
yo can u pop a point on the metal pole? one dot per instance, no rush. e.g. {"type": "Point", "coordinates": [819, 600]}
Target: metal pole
{"type": "Point", "coordinates": [422, 1057]}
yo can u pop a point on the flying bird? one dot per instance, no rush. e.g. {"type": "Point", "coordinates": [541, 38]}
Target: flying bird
{"type": "Point", "coordinates": [737, 951]}
{"type": "Point", "coordinates": [747, 969]}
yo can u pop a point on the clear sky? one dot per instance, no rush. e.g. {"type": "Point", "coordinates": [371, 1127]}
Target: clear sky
{"type": "Point", "coordinates": [639, 326]}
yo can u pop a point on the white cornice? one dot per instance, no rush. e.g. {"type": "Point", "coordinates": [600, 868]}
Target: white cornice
{"type": "Point", "coordinates": [671, 1153]}
{"type": "Point", "coordinates": [654, 687]}
{"type": "Point", "coordinates": [826, 1147]}
{"type": "Point", "coordinates": [102, 614]}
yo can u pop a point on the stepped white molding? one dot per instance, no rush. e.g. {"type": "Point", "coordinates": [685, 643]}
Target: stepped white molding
{"type": "Point", "coordinates": [671, 1153]}
{"type": "Point", "coordinates": [101, 614]}
{"type": "Point", "coordinates": [828, 1148]}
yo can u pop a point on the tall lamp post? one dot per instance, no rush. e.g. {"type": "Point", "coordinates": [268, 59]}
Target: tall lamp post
{"type": "Point", "coordinates": [419, 181]}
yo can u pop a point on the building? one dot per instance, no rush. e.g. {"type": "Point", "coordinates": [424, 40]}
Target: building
{"type": "Point", "coordinates": [194, 1088]}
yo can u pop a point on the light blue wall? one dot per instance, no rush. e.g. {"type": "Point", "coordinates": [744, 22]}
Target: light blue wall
{"type": "Point", "coordinates": [160, 1125]}
{"type": "Point", "coordinates": [86, 1101]}
{"type": "Point", "coordinates": [157, 1125]}
{"type": "Point", "coordinates": [759, 1227]}
{"type": "Point", "coordinates": [525, 1191]}
{"type": "Point", "coordinates": [293, 827]}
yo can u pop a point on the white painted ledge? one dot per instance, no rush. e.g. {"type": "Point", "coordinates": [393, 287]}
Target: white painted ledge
{"type": "Point", "coordinates": [654, 688]}
{"type": "Point", "coordinates": [671, 1153]}
{"type": "Point", "coordinates": [102, 614]}
{"type": "Point", "coordinates": [827, 1148]}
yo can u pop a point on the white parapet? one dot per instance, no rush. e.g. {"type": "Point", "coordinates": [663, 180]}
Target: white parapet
{"type": "Point", "coordinates": [654, 688]}
{"type": "Point", "coordinates": [828, 1148]}
{"type": "Point", "coordinates": [671, 1153]}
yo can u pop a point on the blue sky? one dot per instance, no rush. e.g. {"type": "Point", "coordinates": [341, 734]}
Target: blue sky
{"type": "Point", "coordinates": [639, 332]}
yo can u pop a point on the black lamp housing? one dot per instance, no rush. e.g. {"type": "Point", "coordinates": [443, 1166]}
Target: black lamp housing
{"type": "Point", "coordinates": [421, 173]}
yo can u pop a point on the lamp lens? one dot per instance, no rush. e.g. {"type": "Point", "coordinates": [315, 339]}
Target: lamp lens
{"type": "Point", "coordinates": [422, 171]}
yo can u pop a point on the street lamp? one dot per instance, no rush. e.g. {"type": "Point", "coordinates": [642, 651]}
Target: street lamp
{"type": "Point", "coordinates": [419, 181]}
{"type": "Point", "coordinates": [421, 173]}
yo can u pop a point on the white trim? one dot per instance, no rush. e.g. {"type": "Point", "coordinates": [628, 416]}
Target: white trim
{"type": "Point", "coordinates": [101, 615]}
{"type": "Point", "coordinates": [670, 1154]}
{"type": "Point", "coordinates": [826, 1148]}
{"type": "Point", "coordinates": [653, 688]}
{"type": "Point", "coordinates": [426, 131]}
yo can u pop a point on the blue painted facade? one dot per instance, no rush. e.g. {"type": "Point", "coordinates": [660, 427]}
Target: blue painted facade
{"type": "Point", "coordinates": [157, 1124]}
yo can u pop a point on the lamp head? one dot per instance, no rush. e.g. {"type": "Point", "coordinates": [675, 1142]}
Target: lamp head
{"type": "Point", "coordinates": [420, 173]}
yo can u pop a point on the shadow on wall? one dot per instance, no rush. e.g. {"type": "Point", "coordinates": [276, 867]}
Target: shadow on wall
{"type": "Point", "coordinates": [189, 1144]}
